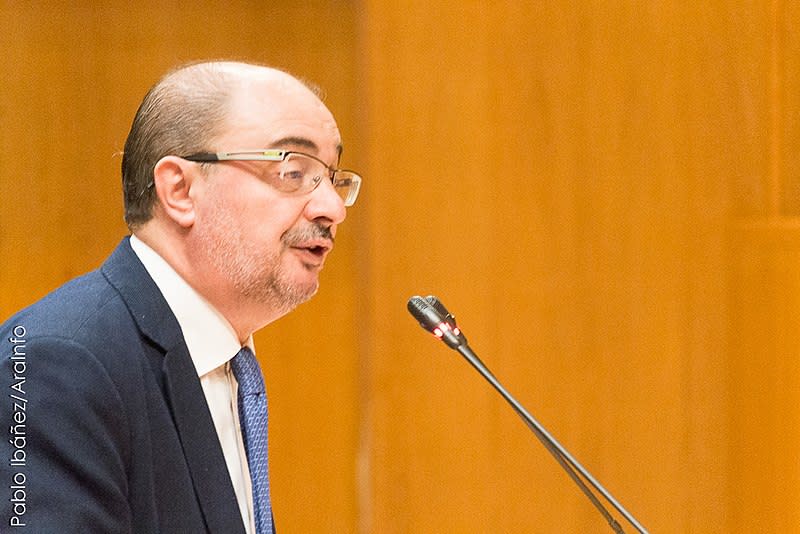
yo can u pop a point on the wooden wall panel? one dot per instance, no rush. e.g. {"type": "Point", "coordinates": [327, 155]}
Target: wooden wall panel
{"type": "Point", "coordinates": [605, 194]}
{"type": "Point", "coordinates": [562, 176]}
{"type": "Point", "coordinates": [73, 76]}
{"type": "Point", "coordinates": [786, 114]}
{"type": "Point", "coordinates": [765, 377]}
{"type": "Point", "coordinates": [764, 413]}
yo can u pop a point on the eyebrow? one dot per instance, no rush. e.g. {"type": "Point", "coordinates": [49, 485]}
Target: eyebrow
{"type": "Point", "coordinates": [303, 142]}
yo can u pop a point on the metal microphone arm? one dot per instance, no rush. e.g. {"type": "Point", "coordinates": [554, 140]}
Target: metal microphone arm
{"type": "Point", "coordinates": [562, 456]}
{"type": "Point", "coordinates": [428, 313]}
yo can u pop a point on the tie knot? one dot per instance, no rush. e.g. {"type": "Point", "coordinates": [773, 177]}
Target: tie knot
{"type": "Point", "coordinates": [247, 372]}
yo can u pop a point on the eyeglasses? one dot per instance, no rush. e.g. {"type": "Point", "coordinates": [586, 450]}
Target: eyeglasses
{"type": "Point", "coordinates": [297, 172]}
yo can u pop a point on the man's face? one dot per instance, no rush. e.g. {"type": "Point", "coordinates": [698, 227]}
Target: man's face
{"type": "Point", "coordinates": [267, 246]}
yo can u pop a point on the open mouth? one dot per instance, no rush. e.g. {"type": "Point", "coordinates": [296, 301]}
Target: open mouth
{"type": "Point", "coordinates": [317, 249]}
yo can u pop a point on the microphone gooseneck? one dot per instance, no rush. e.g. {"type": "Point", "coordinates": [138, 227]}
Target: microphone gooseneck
{"type": "Point", "coordinates": [434, 317]}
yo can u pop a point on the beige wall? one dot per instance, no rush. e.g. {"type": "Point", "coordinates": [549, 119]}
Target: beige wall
{"type": "Point", "coordinates": [604, 193]}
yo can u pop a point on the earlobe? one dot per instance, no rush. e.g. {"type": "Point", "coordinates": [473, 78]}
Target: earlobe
{"type": "Point", "coordinates": [173, 180]}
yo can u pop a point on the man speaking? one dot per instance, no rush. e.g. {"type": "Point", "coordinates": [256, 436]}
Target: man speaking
{"type": "Point", "coordinates": [136, 403]}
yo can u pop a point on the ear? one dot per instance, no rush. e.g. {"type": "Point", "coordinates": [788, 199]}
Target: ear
{"type": "Point", "coordinates": [173, 178]}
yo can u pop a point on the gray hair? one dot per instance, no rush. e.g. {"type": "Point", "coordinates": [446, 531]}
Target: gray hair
{"type": "Point", "coordinates": [180, 115]}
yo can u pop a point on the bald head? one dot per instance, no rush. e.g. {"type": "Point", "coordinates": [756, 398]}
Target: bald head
{"type": "Point", "coordinates": [182, 114]}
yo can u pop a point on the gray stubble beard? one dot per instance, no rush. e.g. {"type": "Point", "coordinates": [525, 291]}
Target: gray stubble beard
{"type": "Point", "coordinates": [258, 277]}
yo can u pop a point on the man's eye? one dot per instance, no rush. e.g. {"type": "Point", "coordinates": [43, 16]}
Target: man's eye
{"type": "Point", "coordinates": [293, 175]}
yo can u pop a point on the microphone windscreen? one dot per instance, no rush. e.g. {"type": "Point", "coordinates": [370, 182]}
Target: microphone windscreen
{"type": "Point", "coordinates": [424, 313]}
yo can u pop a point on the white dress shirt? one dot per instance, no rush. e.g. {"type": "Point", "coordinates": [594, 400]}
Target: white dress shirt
{"type": "Point", "coordinates": [212, 343]}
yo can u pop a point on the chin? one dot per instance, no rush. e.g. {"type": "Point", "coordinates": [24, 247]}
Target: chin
{"type": "Point", "coordinates": [307, 280]}
{"type": "Point", "coordinates": [310, 290]}
{"type": "Point", "coordinates": [302, 290]}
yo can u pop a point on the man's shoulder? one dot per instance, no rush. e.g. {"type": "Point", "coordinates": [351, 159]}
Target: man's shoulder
{"type": "Point", "coordinates": [86, 324]}
{"type": "Point", "coordinates": [85, 309]}
{"type": "Point", "coordinates": [63, 311]}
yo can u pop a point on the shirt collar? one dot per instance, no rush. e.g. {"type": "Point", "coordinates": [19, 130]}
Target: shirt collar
{"type": "Point", "coordinates": [210, 338]}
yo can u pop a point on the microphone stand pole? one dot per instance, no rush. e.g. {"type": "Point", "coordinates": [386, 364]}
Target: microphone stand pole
{"type": "Point", "coordinates": [561, 455]}
{"type": "Point", "coordinates": [434, 317]}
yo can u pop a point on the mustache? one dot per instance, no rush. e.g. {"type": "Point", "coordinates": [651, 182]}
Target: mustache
{"type": "Point", "coordinates": [308, 233]}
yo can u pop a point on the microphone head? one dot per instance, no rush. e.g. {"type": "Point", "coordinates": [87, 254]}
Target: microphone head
{"type": "Point", "coordinates": [439, 307]}
{"type": "Point", "coordinates": [443, 326]}
{"type": "Point", "coordinates": [425, 313]}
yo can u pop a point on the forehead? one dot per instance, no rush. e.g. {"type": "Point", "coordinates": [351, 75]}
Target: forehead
{"type": "Point", "coordinates": [267, 109]}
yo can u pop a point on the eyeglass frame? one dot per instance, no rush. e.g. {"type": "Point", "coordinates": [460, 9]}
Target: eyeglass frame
{"type": "Point", "coordinates": [277, 154]}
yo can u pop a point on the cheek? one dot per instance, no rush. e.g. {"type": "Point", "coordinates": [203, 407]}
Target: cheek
{"type": "Point", "coordinates": [253, 210]}
{"type": "Point", "coordinates": [266, 225]}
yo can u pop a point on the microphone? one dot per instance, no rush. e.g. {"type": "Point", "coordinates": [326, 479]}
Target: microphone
{"type": "Point", "coordinates": [434, 317]}
{"type": "Point", "coordinates": [431, 319]}
{"type": "Point", "coordinates": [439, 307]}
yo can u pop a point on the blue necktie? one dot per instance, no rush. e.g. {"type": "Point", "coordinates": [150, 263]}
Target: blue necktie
{"type": "Point", "coordinates": [253, 419]}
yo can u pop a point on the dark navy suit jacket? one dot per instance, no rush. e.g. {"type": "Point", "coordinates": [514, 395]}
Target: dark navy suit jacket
{"type": "Point", "coordinates": [108, 428]}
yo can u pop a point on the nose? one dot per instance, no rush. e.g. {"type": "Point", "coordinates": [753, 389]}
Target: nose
{"type": "Point", "coordinates": [325, 203]}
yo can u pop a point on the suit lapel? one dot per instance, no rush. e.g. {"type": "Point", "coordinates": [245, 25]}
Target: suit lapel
{"type": "Point", "coordinates": [200, 443]}
{"type": "Point", "coordinates": [184, 394]}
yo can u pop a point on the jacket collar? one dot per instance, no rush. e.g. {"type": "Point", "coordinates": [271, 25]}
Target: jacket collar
{"type": "Point", "coordinates": [156, 321]}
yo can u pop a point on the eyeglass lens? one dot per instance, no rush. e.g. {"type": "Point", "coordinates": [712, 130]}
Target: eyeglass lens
{"type": "Point", "coordinates": [301, 172]}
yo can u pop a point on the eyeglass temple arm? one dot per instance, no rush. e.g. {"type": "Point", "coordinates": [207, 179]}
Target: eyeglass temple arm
{"type": "Point", "coordinates": [202, 156]}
